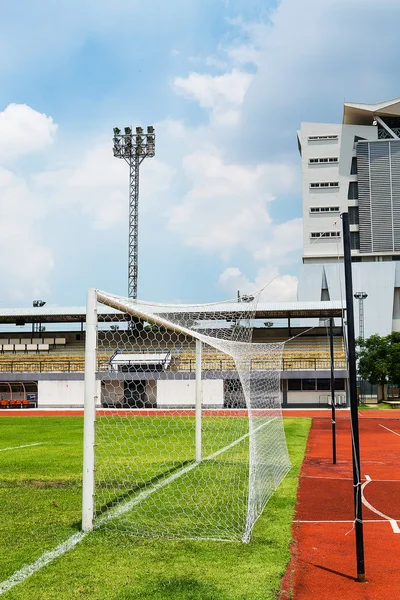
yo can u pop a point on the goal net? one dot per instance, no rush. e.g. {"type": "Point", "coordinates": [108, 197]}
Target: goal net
{"type": "Point", "coordinates": [183, 427]}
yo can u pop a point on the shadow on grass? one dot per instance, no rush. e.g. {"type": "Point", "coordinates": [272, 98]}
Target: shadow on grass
{"type": "Point", "coordinates": [141, 486]}
{"type": "Point", "coordinates": [175, 588]}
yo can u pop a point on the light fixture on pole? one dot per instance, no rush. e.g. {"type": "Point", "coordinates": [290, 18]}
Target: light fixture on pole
{"type": "Point", "coordinates": [361, 296]}
{"type": "Point", "coordinates": [133, 148]}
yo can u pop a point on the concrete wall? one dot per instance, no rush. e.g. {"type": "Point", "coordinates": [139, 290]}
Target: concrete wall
{"type": "Point", "coordinates": [182, 393]}
{"type": "Point", "coordinates": [317, 398]}
{"type": "Point", "coordinates": [62, 393]}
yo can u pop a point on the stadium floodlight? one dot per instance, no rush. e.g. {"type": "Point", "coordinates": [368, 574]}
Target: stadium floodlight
{"type": "Point", "coordinates": [247, 298]}
{"type": "Point", "coordinates": [133, 148]}
{"type": "Point", "coordinates": [38, 303]}
{"type": "Point", "coordinates": [178, 473]}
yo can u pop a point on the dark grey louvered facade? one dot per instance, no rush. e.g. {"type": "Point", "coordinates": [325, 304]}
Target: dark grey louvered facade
{"type": "Point", "coordinates": [378, 166]}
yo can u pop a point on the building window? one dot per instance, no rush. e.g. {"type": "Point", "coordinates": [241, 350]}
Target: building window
{"type": "Point", "coordinates": [324, 209]}
{"type": "Point", "coordinates": [353, 191]}
{"type": "Point", "coordinates": [294, 385]}
{"type": "Point", "coordinates": [353, 170]}
{"type": "Point", "coordinates": [354, 240]}
{"type": "Point", "coordinates": [339, 385]}
{"type": "Point", "coordinates": [323, 161]}
{"type": "Point", "coordinates": [323, 385]}
{"type": "Point", "coordinates": [308, 385]}
{"type": "Point", "coordinates": [354, 218]}
{"type": "Point", "coordinates": [325, 234]}
{"type": "Point", "coordinates": [324, 184]}
{"type": "Point", "coordinates": [319, 138]}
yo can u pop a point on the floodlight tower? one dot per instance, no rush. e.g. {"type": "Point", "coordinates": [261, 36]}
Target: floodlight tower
{"type": "Point", "coordinates": [133, 148]}
{"type": "Point", "coordinates": [360, 296]}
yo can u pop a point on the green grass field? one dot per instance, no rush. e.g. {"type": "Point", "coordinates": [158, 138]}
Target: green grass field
{"type": "Point", "coordinates": [40, 496]}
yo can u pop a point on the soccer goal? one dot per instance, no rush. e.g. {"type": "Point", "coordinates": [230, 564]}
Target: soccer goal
{"type": "Point", "coordinates": [183, 431]}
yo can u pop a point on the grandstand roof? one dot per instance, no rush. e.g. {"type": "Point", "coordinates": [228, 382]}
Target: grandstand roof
{"type": "Point", "coordinates": [77, 314]}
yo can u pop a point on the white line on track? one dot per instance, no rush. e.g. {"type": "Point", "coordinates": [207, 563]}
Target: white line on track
{"type": "Point", "coordinates": [392, 522]}
{"type": "Point", "coordinates": [71, 542]}
{"type": "Point", "coordinates": [18, 447]}
{"type": "Point", "coordinates": [391, 430]}
{"type": "Point", "coordinates": [348, 521]}
{"type": "Point", "coordinates": [345, 478]}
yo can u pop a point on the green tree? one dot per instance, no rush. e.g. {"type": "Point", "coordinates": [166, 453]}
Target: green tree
{"type": "Point", "coordinates": [379, 359]}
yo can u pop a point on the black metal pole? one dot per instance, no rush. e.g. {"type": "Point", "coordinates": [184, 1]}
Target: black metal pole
{"type": "Point", "coordinates": [332, 390]}
{"type": "Point", "coordinates": [353, 400]}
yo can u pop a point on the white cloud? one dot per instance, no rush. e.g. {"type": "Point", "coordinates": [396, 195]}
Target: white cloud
{"type": "Point", "coordinates": [96, 185]}
{"type": "Point", "coordinates": [274, 286]}
{"type": "Point", "coordinates": [222, 94]}
{"type": "Point", "coordinates": [308, 67]}
{"type": "Point", "coordinates": [284, 245]}
{"type": "Point", "coordinates": [24, 130]}
{"type": "Point", "coordinates": [226, 206]}
{"type": "Point", "coordinates": [26, 262]}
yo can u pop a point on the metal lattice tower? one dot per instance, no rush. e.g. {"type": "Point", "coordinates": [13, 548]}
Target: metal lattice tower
{"type": "Point", "coordinates": [360, 296]}
{"type": "Point", "coordinates": [133, 148]}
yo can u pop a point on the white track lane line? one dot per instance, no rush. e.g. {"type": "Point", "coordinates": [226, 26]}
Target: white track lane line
{"type": "Point", "coordinates": [392, 522]}
{"type": "Point", "coordinates": [24, 446]}
{"type": "Point", "coordinates": [71, 542]}
{"type": "Point", "coordinates": [348, 521]}
{"type": "Point", "coordinates": [387, 429]}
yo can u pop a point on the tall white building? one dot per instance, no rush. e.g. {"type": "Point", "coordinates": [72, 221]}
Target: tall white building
{"type": "Point", "coordinates": [354, 166]}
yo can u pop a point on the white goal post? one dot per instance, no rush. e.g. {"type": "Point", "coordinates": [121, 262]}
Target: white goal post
{"type": "Point", "coordinates": [183, 431]}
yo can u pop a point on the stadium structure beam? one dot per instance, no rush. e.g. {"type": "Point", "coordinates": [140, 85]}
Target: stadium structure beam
{"type": "Point", "coordinates": [133, 148]}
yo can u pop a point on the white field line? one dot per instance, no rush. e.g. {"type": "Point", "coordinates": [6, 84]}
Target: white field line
{"type": "Point", "coordinates": [387, 429]}
{"type": "Point", "coordinates": [18, 447]}
{"type": "Point", "coordinates": [71, 542]}
{"type": "Point", "coordinates": [392, 522]}
{"type": "Point", "coordinates": [123, 508]}
{"type": "Point", "coordinates": [45, 559]}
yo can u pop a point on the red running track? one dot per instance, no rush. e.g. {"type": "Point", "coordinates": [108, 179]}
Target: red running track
{"type": "Point", "coordinates": [323, 562]}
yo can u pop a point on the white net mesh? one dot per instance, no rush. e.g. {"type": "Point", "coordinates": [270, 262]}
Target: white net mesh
{"type": "Point", "coordinates": [159, 470]}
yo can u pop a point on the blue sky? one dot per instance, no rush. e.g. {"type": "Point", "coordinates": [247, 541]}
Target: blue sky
{"type": "Point", "coordinates": [226, 83]}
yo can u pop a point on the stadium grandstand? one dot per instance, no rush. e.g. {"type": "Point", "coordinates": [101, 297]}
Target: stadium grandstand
{"type": "Point", "coordinates": [42, 356]}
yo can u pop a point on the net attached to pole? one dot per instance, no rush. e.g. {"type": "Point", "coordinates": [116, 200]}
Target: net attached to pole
{"type": "Point", "coordinates": [189, 431]}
